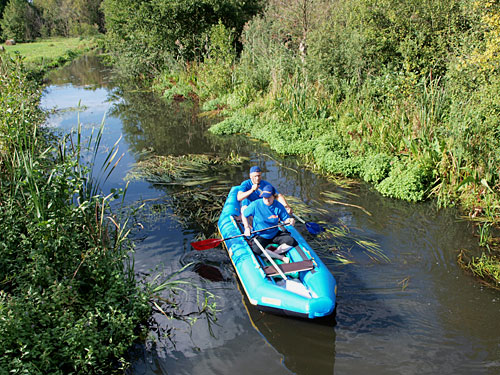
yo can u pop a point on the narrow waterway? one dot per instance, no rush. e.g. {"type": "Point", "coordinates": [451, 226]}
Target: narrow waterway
{"type": "Point", "coordinates": [417, 313]}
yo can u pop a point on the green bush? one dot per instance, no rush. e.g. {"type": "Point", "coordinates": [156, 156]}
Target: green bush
{"type": "Point", "coordinates": [375, 167]}
{"type": "Point", "coordinates": [216, 75]}
{"type": "Point", "coordinates": [235, 124]}
{"type": "Point", "coordinates": [406, 181]}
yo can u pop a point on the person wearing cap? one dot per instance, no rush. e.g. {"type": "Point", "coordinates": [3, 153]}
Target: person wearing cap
{"type": "Point", "coordinates": [268, 212]}
{"type": "Point", "coordinates": [251, 189]}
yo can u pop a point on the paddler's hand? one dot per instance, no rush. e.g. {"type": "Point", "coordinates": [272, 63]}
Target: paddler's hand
{"type": "Point", "coordinates": [290, 221]}
{"type": "Point", "coordinates": [248, 231]}
{"type": "Point", "coordinates": [255, 187]}
{"type": "Point", "coordinates": [289, 209]}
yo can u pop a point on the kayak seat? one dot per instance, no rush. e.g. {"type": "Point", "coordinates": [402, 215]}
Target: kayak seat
{"type": "Point", "coordinates": [290, 268]}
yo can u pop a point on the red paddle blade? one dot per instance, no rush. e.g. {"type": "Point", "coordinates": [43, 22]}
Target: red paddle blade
{"type": "Point", "coordinates": [206, 244]}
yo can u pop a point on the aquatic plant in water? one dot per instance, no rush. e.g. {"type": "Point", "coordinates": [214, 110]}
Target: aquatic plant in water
{"type": "Point", "coordinates": [196, 186]}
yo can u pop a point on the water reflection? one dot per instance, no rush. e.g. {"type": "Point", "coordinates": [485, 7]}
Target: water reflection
{"type": "Point", "coordinates": [307, 346]}
{"type": "Point", "coordinates": [87, 72]}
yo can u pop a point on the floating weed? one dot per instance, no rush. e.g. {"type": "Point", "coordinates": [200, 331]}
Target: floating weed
{"type": "Point", "coordinates": [486, 267]}
{"type": "Point", "coordinates": [338, 239]}
{"type": "Point", "coordinates": [404, 283]}
{"type": "Point", "coordinates": [165, 293]}
{"type": "Point", "coordinates": [300, 207]}
{"type": "Point", "coordinates": [186, 170]}
{"type": "Point", "coordinates": [332, 195]}
{"type": "Point", "coordinates": [335, 200]}
{"type": "Point", "coordinates": [198, 190]}
{"type": "Point", "coordinates": [338, 258]}
{"type": "Point", "coordinates": [199, 207]}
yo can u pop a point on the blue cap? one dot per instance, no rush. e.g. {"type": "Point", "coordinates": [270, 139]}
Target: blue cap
{"type": "Point", "coordinates": [255, 169]}
{"type": "Point", "coordinates": [267, 192]}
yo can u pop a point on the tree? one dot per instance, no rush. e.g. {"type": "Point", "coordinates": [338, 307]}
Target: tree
{"type": "Point", "coordinates": [295, 19]}
{"type": "Point", "coordinates": [70, 17]}
{"type": "Point", "coordinates": [144, 36]}
{"type": "Point", "coordinates": [19, 21]}
{"type": "Point", "coordinates": [3, 3]}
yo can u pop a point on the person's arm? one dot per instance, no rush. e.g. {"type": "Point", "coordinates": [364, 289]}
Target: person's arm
{"type": "Point", "coordinates": [244, 194]}
{"type": "Point", "coordinates": [285, 217]}
{"type": "Point", "coordinates": [285, 204]}
{"type": "Point", "coordinates": [248, 226]}
{"type": "Point", "coordinates": [247, 223]}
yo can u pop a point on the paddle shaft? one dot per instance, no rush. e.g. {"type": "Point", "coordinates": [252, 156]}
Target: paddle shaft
{"type": "Point", "coordinates": [213, 242]}
{"type": "Point", "coordinates": [252, 232]}
{"type": "Point", "coordinates": [297, 217]}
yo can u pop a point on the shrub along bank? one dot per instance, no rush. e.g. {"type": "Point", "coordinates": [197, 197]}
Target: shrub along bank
{"type": "Point", "coordinates": [69, 302]}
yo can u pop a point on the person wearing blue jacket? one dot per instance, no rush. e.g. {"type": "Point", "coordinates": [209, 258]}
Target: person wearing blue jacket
{"type": "Point", "coordinates": [268, 212]}
{"type": "Point", "coordinates": [251, 190]}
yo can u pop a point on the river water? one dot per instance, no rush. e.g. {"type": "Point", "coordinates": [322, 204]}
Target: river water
{"type": "Point", "coordinates": [417, 313]}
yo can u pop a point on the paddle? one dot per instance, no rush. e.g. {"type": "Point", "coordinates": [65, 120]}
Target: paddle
{"type": "Point", "coordinates": [214, 242]}
{"type": "Point", "coordinates": [313, 228]}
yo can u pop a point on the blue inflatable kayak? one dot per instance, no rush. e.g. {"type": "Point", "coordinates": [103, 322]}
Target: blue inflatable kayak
{"type": "Point", "coordinates": [308, 289]}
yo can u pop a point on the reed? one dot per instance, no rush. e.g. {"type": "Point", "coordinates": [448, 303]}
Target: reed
{"type": "Point", "coordinates": [68, 286]}
{"type": "Point", "coordinates": [338, 241]}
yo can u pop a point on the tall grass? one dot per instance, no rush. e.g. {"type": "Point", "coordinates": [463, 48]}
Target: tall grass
{"type": "Point", "coordinates": [69, 302]}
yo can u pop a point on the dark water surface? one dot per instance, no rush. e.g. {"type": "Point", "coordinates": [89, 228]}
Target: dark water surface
{"type": "Point", "coordinates": [417, 314]}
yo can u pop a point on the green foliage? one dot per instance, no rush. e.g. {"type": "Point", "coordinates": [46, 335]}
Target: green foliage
{"type": "Point", "coordinates": [148, 36]}
{"type": "Point", "coordinates": [18, 104]}
{"type": "Point", "coordinates": [234, 124]}
{"type": "Point", "coordinates": [19, 21]}
{"type": "Point", "coordinates": [216, 76]}
{"type": "Point", "coordinates": [405, 181]}
{"type": "Point", "coordinates": [375, 167]}
{"type": "Point", "coordinates": [331, 155]}
{"type": "Point", "coordinates": [69, 302]}
{"type": "Point", "coordinates": [265, 60]}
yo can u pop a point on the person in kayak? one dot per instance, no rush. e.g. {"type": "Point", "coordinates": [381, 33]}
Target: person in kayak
{"type": "Point", "coordinates": [267, 212]}
{"type": "Point", "coordinates": [251, 189]}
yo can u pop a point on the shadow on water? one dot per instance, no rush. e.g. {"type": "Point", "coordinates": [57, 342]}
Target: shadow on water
{"type": "Point", "coordinates": [307, 346]}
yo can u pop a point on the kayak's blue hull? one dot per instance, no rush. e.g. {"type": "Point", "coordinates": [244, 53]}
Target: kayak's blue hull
{"type": "Point", "coordinates": [267, 293]}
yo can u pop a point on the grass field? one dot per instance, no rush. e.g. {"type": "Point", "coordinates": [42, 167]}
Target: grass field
{"type": "Point", "coordinates": [45, 50]}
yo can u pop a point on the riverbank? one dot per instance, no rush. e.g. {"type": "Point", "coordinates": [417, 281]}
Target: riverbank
{"type": "Point", "coordinates": [69, 300]}
{"type": "Point", "coordinates": [46, 54]}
